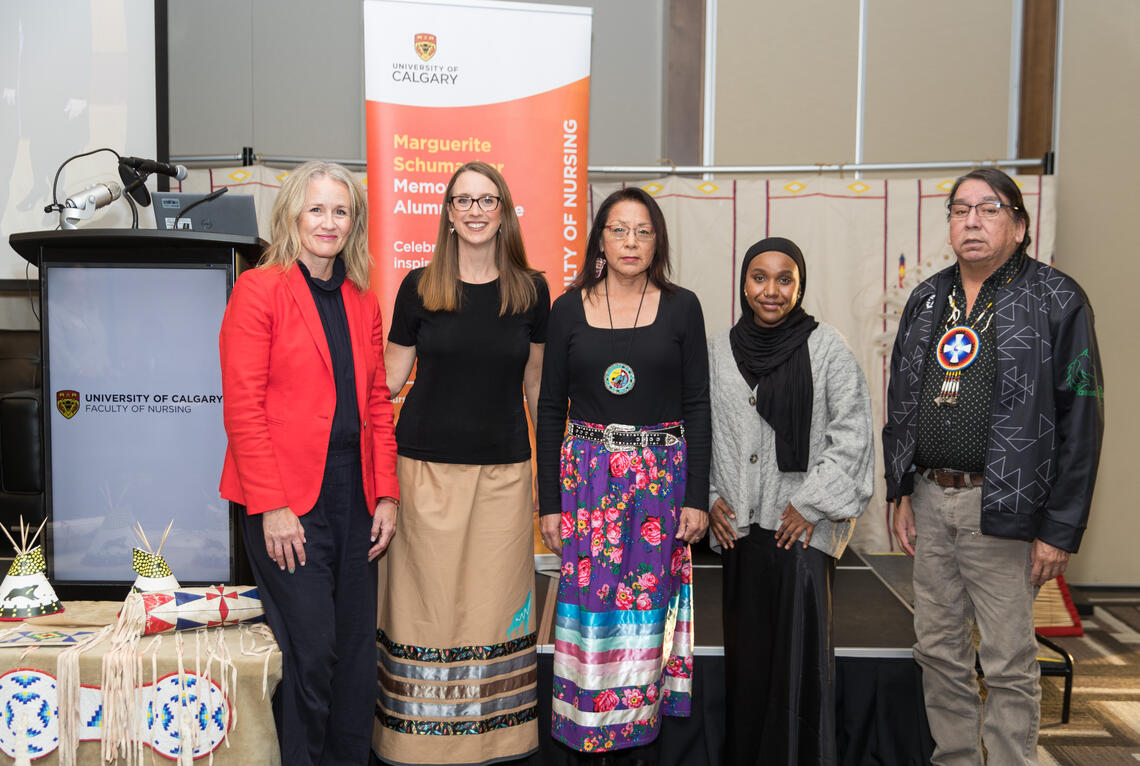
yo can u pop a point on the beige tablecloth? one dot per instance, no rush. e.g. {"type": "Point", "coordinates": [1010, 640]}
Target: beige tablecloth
{"type": "Point", "coordinates": [252, 737]}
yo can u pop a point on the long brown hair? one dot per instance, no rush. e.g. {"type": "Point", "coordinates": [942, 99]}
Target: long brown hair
{"type": "Point", "coordinates": [588, 279]}
{"type": "Point", "coordinates": [285, 238]}
{"type": "Point", "coordinates": [440, 288]}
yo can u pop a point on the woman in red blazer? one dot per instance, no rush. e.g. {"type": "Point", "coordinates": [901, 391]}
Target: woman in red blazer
{"type": "Point", "coordinates": [312, 457]}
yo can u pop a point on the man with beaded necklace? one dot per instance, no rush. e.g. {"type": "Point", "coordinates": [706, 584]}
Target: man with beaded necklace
{"type": "Point", "coordinates": [995, 414]}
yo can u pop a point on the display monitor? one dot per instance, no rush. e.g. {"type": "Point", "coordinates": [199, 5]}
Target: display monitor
{"type": "Point", "coordinates": [134, 418]}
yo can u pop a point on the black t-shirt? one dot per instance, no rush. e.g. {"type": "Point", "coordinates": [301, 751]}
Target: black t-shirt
{"type": "Point", "coordinates": [670, 363]}
{"type": "Point", "coordinates": [467, 402]}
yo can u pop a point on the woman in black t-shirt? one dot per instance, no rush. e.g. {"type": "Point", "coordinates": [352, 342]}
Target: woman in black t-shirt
{"type": "Point", "coordinates": [455, 596]}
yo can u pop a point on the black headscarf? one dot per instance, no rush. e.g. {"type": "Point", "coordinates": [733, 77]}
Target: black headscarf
{"type": "Point", "coordinates": [775, 361]}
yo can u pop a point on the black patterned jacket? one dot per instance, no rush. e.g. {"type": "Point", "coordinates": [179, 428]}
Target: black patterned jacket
{"type": "Point", "coordinates": [1048, 412]}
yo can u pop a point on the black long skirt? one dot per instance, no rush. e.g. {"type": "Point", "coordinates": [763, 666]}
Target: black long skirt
{"type": "Point", "coordinates": [779, 657]}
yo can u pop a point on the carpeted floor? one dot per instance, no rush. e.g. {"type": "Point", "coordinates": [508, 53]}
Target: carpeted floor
{"type": "Point", "coordinates": [1104, 721]}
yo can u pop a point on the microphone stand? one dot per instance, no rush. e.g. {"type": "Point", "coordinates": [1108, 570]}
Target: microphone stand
{"type": "Point", "coordinates": [137, 183]}
{"type": "Point", "coordinates": [134, 211]}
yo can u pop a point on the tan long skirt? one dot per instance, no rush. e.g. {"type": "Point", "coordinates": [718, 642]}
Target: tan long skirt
{"type": "Point", "coordinates": [456, 660]}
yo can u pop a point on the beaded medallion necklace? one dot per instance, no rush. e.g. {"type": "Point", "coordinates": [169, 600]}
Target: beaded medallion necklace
{"type": "Point", "coordinates": [618, 377]}
{"type": "Point", "coordinates": [960, 343]}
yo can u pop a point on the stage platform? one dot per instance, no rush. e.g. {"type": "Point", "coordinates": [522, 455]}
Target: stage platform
{"type": "Point", "coordinates": [880, 715]}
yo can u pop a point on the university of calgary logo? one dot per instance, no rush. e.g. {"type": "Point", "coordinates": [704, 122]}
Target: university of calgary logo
{"type": "Point", "coordinates": [425, 45]}
{"type": "Point", "coordinates": [67, 402]}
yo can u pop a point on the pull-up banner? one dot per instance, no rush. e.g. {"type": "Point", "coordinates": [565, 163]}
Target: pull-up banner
{"type": "Point", "coordinates": [450, 81]}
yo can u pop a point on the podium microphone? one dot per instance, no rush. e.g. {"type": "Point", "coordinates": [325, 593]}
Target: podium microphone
{"type": "Point", "coordinates": [177, 172]}
{"type": "Point", "coordinates": [83, 205]}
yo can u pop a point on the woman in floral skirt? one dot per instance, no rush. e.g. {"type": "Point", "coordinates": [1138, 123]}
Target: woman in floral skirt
{"type": "Point", "coordinates": [623, 459]}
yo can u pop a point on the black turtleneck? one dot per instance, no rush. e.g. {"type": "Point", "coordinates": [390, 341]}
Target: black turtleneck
{"type": "Point", "coordinates": [330, 305]}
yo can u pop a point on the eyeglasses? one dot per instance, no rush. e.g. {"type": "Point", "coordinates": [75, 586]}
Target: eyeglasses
{"type": "Point", "coordinates": [959, 211]}
{"type": "Point", "coordinates": [619, 232]}
{"type": "Point", "coordinates": [488, 202]}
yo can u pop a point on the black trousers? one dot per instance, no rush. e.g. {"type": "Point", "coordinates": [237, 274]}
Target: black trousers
{"type": "Point", "coordinates": [324, 619]}
{"type": "Point", "coordinates": [779, 660]}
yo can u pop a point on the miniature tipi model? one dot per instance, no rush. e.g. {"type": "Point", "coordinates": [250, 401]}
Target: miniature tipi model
{"type": "Point", "coordinates": [26, 591]}
{"type": "Point", "coordinates": [152, 570]}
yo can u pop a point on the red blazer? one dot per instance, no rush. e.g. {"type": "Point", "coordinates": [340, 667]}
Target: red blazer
{"type": "Point", "coordinates": [279, 396]}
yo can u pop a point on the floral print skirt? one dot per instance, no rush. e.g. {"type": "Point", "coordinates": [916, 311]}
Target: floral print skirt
{"type": "Point", "coordinates": [623, 631]}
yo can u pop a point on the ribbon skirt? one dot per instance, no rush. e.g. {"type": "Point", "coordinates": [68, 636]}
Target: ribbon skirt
{"type": "Point", "coordinates": [623, 632]}
{"type": "Point", "coordinates": [457, 663]}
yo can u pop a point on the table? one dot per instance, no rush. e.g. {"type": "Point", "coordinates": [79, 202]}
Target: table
{"type": "Point", "coordinates": [29, 690]}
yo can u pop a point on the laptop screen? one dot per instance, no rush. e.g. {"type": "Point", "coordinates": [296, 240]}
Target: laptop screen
{"type": "Point", "coordinates": [228, 214]}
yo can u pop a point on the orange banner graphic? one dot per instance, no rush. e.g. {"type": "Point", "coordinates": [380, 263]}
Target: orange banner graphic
{"type": "Point", "coordinates": [539, 145]}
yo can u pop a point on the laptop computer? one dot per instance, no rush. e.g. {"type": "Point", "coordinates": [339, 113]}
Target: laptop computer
{"type": "Point", "coordinates": [228, 214]}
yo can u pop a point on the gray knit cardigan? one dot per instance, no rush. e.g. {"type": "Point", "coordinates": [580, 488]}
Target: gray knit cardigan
{"type": "Point", "coordinates": [840, 477]}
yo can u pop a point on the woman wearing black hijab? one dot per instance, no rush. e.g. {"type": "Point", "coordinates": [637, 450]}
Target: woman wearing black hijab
{"type": "Point", "coordinates": [792, 469]}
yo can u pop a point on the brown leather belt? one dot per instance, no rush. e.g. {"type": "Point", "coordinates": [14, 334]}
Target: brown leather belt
{"type": "Point", "coordinates": [952, 479]}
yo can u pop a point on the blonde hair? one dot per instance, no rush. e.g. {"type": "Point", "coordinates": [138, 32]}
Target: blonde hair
{"type": "Point", "coordinates": [285, 239]}
{"type": "Point", "coordinates": [440, 288]}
